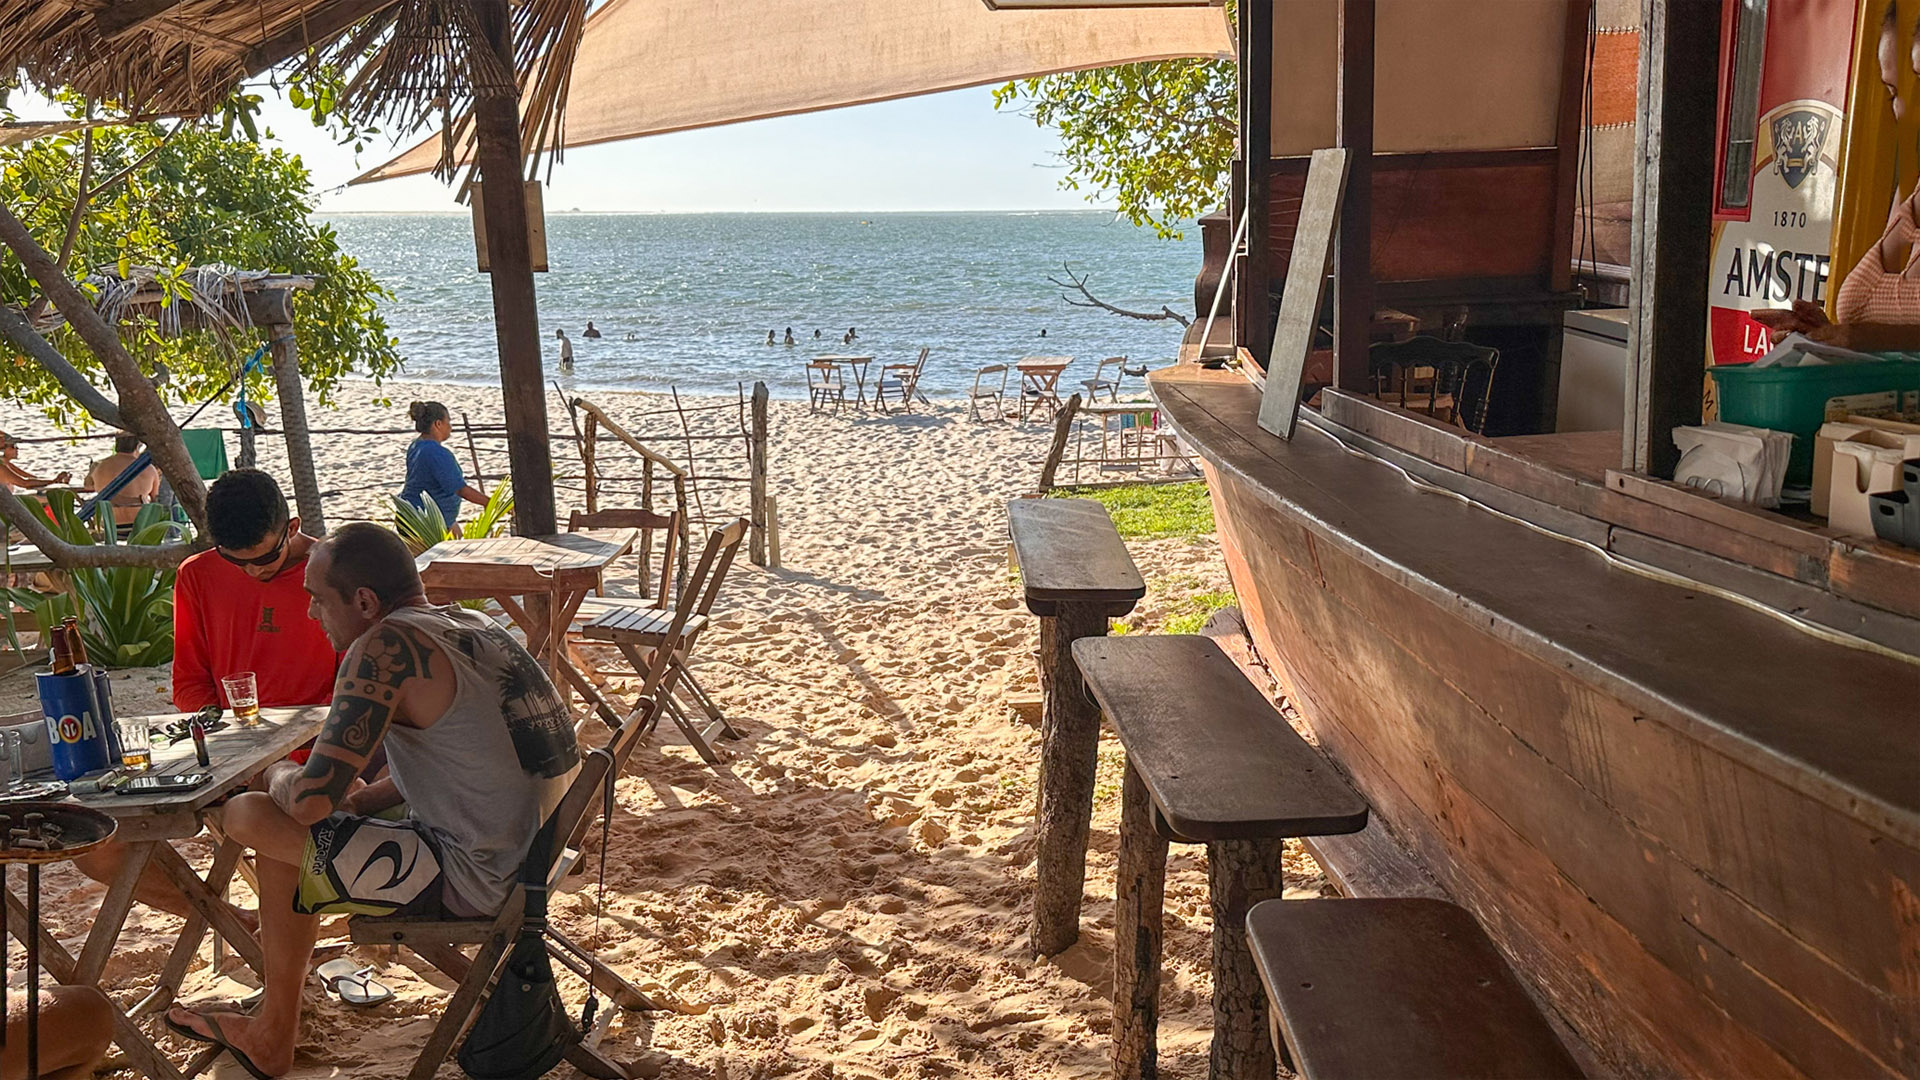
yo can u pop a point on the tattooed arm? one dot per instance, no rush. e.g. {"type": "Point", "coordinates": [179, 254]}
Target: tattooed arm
{"type": "Point", "coordinates": [369, 694]}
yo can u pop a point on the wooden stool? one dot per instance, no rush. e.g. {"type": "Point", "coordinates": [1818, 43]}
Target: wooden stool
{"type": "Point", "coordinates": [1387, 988]}
{"type": "Point", "coordinates": [1077, 575]}
{"type": "Point", "coordinates": [1209, 760]}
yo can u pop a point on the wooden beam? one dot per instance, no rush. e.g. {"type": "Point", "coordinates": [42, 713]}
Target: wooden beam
{"type": "Point", "coordinates": [123, 15]}
{"type": "Point", "coordinates": [1353, 272]}
{"type": "Point", "coordinates": [319, 27]}
{"type": "Point", "coordinates": [1573, 85]}
{"type": "Point", "coordinates": [1673, 219]}
{"type": "Point", "coordinates": [516, 316]}
{"type": "Point", "coordinates": [1256, 153]}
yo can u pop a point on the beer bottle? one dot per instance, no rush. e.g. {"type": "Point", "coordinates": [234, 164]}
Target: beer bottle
{"type": "Point", "coordinates": [75, 642]}
{"type": "Point", "coordinates": [62, 651]}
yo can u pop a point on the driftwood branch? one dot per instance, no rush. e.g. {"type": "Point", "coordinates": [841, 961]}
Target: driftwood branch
{"type": "Point", "coordinates": [33, 525]}
{"type": "Point", "coordinates": [1078, 282]}
{"type": "Point", "coordinates": [141, 410]}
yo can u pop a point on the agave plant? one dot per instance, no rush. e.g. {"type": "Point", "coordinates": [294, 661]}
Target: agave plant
{"type": "Point", "coordinates": [423, 526]}
{"type": "Point", "coordinates": [125, 612]}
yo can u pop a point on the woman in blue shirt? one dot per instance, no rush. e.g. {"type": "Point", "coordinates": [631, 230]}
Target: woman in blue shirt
{"type": "Point", "coordinates": [432, 470]}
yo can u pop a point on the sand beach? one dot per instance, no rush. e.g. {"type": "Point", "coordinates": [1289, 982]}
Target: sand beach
{"type": "Point", "coordinates": [847, 895]}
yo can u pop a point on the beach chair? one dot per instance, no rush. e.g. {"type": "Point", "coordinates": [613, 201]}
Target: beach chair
{"type": "Point", "coordinates": [824, 384]}
{"type": "Point", "coordinates": [903, 379]}
{"type": "Point", "coordinates": [985, 388]}
{"type": "Point", "coordinates": [1101, 381]}
{"type": "Point", "coordinates": [554, 853]}
{"type": "Point", "coordinates": [648, 522]}
{"type": "Point", "coordinates": [668, 640]}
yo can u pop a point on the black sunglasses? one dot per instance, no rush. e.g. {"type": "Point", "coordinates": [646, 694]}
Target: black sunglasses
{"type": "Point", "coordinates": [265, 560]}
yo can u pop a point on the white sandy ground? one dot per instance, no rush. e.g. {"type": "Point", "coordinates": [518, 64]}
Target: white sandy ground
{"type": "Point", "coordinates": [848, 896]}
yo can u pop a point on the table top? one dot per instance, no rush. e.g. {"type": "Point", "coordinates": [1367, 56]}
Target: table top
{"type": "Point", "coordinates": [236, 753]}
{"type": "Point", "coordinates": [25, 558]}
{"type": "Point", "coordinates": [838, 359]}
{"type": "Point", "coordinates": [1070, 552]}
{"type": "Point", "coordinates": [522, 564]}
{"type": "Point", "coordinates": [1042, 363]}
{"type": "Point", "coordinates": [1219, 760]}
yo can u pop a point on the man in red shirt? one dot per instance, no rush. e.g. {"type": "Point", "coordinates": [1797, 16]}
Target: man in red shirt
{"type": "Point", "coordinates": [241, 607]}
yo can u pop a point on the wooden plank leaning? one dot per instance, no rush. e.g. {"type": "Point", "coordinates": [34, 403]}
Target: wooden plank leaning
{"type": "Point", "coordinates": [1077, 575]}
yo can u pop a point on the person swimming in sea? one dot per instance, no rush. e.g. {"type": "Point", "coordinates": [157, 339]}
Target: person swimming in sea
{"type": "Point", "coordinates": [847, 339]}
{"type": "Point", "coordinates": [632, 336]}
{"type": "Point", "coordinates": [591, 331]}
{"type": "Point", "coordinates": [769, 337]}
{"type": "Point", "coordinates": [816, 335]}
{"type": "Point", "coordinates": [566, 350]}
{"type": "Point", "coordinates": [790, 335]}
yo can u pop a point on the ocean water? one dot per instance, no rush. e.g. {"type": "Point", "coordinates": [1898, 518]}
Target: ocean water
{"type": "Point", "coordinates": [686, 300]}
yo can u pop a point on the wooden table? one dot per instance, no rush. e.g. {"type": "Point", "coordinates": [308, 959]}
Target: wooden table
{"type": "Point", "coordinates": [146, 823]}
{"type": "Point", "coordinates": [559, 569]}
{"type": "Point", "coordinates": [1040, 377]}
{"type": "Point", "coordinates": [859, 366]}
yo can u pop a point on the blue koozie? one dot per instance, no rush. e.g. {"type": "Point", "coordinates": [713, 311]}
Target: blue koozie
{"type": "Point", "coordinates": [75, 732]}
{"type": "Point", "coordinates": [103, 697]}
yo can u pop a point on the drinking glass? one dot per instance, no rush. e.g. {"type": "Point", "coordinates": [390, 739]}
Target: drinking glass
{"type": "Point", "coordinates": [243, 697]}
{"type": "Point", "coordinates": [136, 743]}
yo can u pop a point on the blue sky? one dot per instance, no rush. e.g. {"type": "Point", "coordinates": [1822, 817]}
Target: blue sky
{"type": "Point", "coordinates": [947, 151]}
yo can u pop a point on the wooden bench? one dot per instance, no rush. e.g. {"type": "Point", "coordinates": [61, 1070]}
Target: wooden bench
{"type": "Point", "coordinates": [1077, 575]}
{"type": "Point", "coordinates": [1388, 988]}
{"type": "Point", "coordinates": [1209, 760]}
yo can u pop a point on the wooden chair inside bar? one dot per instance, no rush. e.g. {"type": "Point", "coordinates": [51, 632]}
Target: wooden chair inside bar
{"type": "Point", "coordinates": [649, 638]}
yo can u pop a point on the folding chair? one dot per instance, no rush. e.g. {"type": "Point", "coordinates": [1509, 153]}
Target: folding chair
{"type": "Point", "coordinates": [554, 852]}
{"type": "Point", "coordinates": [984, 389]}
{"type": "Point", "coordinates": [824, 385]}
{"type": "Point", "coordinates": [1100, 381]}
{"type": "Point", "coordinates": [902, 378]}
{"type": "Point", "coordinates": [647, 521]}
{"type": "Point", "coordinates": [670, 640]}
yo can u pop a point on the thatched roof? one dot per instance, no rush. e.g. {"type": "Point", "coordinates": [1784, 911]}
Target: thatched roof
{"type": "Point", "coordinates": [408, 62]}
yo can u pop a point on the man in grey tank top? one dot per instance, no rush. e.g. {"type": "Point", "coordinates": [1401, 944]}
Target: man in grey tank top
{"type": "Point", "coordinates": [480, 747]}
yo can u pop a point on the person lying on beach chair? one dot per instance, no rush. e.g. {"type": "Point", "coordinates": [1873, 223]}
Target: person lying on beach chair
{"type": "Point", "coordinates": [481, 749]}
{"type": "Point", "coordinates": [12, 476]}
{"type": "Point", "coordinates": [240, 607]}
{"type": "Point", "coordinates": [76, 1028]}
{"type": "Point", "coordinates": [138, 492]}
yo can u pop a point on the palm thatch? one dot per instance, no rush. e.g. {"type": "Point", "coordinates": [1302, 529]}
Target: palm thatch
{"type": "Point", "coordinates": [407, 63]}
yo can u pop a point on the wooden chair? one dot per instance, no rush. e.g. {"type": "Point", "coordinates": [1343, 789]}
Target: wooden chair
{"type": "Point", "coordinates": [903, 379]}
{"type": "Point", "coordinates": [1100, 381]}
{"type": "Point", "coordinates": [985, 389]}
{"type": "Point", "coordinates": [1447, 380]}
{"type": "Point", "coordinates": [555, 851]}
{"type": "Point", "coordinates": [669, 640]}
{"type": "Point", "coordinates": [647, 521]}
{"type": "Point", "coordinates": [825, 384]}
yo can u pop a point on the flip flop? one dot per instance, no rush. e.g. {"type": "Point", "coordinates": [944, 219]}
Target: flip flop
{"type": "Point", "coordinates": [214, 1039]}
{"type": "Point", "coordinates": [352, 984]}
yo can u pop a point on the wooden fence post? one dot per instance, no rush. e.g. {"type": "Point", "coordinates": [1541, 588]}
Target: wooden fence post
{"type": "Point", "coordinates": [757, 478]}
{"type": "Point", "coordinates": [773, 533]}
{"type": "Point", "coordinates": [590, 462]}
{"type": "Point", "coordinates": [1062, 429]}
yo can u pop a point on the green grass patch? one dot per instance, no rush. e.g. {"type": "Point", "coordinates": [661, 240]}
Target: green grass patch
{"type": "Point", "coordinates": [1192, 612]}
{"type": "Point", "coordinates": [1149, 511]}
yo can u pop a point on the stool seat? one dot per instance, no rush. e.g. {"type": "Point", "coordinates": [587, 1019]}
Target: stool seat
{"type": "Point", "coordinates": [1386, 988]}
{"type": "Point", "coordinates": [1218, 759]}
{"type": "Point", "coordinates": [636, 623]}
{"type": "Point", "coordinates": [1070, 553]}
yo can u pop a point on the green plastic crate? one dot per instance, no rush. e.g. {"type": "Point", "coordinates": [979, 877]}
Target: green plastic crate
{"type": "Point", "coordinates": [1795, 398]}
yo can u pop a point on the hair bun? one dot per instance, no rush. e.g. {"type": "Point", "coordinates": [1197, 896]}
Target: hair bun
{"type": "Point", "coordinates": [417, 410]}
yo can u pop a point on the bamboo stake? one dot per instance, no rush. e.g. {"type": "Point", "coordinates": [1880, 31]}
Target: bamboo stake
{"type": "Point", "coordinates": [471, 451]}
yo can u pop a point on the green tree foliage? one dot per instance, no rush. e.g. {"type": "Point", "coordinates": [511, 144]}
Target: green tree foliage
{"type": "Point", "coordinates": [1155, 137]}
{"type": "Point", "coordinates": [173, 197]}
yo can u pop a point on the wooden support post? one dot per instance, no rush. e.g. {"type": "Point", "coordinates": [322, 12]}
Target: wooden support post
{"type": "Point", "coordinates": [686, 529]}
{"type": "Point", "coordinates": [757, 479]}
{"type": "Point", "coordinates": [1062, 430]}
{"type": "Point", "coordinates": [1353, 273]}
{"type": "Point", "coordinates": [516, 317]}
{"type": "Point", "coordinates": [590, 461]}
{"type": "Point", "coordinates": [1069, 752]}
{"type": "Point", "coordinates": [1256, 167]}
{"type": "Point", "coordinates": [773, 533]}
{"type": "Point", "coordinates": [1240, 874]}
{"type": "Point", "coordinates": [1672, 228]}
{"type": "Point", "coordinates": [1139, 901]}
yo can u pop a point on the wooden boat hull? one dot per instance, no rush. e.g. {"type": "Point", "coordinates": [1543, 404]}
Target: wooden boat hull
{"type": "Point", "coordinates": [1687, 907]}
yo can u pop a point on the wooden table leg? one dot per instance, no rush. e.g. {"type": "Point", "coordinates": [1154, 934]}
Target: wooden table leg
{"type": "Point", "coordinates": [225, 860]}
{"type": "Point", "coordinates": [1139, 899]}
{"type": "Point", "coordinates": [211, 907]}
{"type": "Point", "coordinates": [1240, 874]}
{"type": "Point", "coordinates": [1069, 752]}
{"type": "Point", "coordinates": [113, 914]}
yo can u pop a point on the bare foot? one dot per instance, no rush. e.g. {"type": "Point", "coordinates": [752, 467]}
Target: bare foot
{"type": "Point", "coordinates": [261, 1052]}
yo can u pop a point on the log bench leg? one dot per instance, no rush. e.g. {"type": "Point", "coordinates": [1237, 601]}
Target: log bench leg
{"type": "Point", "coordinates": [1240, 874]}
{"type": "Point", "coordinates": [1069, 751]}
{"type": "Point", "coordinates": [1139, 902]}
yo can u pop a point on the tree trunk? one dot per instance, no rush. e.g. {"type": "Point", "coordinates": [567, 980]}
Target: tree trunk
{"type": "Point", "coordinates": [1240, 874]}
{"type": "Point", "coordinates": [516, 315]}
{"type": "Point", "coordinates": [1069, 752]}
{"type": "Point", "coordinates": [1139, 901]}
{"type": "Point", "coordinates": [293, 423]}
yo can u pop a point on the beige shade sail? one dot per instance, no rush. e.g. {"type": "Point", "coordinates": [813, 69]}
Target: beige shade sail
{"type": "Point", "coordinates": [647, 67]}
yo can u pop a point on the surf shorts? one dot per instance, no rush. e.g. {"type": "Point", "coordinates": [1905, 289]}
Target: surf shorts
{"type": "Point", "coordinates": [384, 865]}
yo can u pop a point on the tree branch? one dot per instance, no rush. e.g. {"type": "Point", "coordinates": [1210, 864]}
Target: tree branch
{"type": "Point", "coordinates": [1079, 282]}
{"type": "Point", "coordinates": [141, 409]}
{"type": "Point", "coordinates": [33, 526]}
{"type": "Point", "coordinates": [21, 335]}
